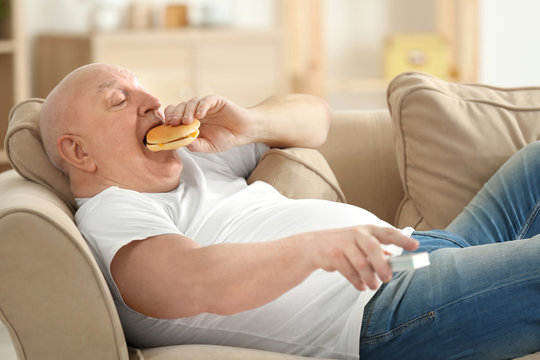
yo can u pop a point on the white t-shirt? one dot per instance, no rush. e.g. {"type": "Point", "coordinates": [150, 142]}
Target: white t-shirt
{"type": "Point", "coordinates": [321, 317]}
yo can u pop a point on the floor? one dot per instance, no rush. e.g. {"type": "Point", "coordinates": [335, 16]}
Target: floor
{"type": "Point", "coordinates": [6, 348]}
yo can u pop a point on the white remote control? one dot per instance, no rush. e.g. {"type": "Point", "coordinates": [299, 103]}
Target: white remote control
{"type": "Point", "coordinates": [409, 261]}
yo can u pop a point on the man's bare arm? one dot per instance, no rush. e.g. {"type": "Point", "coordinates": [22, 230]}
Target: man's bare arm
{"type": "Point", "coordinates": [279, 121]}
{"type": "Point", "coordinates": [292, 120]}
{"type": "Point", "coordinates": [170, 276]}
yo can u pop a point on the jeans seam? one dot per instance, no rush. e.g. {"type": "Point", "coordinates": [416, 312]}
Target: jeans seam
{"type": "Point", "coordinates": [438, 235]}
{"type": "Point", "coordinates": [371, 307]}
{"type": "Point", "coordinates": [528, 223]}
{"type": "Point", "coordinates": [517, 280]}
{"type": "Point", "coordinates": [398, 330]}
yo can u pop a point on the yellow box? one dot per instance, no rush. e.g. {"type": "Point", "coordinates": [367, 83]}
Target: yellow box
{"type": "Point", "coordinates": [427, 53]}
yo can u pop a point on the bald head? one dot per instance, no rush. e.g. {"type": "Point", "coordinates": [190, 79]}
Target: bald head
{"type": "Point", "coordinates": [60, 111]}
{"type": "Point", "coordinates": [93, 127]}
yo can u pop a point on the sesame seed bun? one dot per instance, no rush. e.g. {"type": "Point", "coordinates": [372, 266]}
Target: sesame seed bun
{"type": "Point", "coordinates": [166, 137]}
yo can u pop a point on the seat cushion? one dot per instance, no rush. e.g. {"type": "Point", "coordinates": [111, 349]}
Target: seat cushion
{"type": "Point", "coordinates": [209, 352]}
{"type": "Point", "coordinates": [450, 138]}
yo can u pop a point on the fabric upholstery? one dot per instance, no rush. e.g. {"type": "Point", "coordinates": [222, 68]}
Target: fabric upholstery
{"type": "Point", "coordinates": [53, 298]}
{"type": "Point", "coordinates": [212, 352]}
{"type": "Point", "coordinates": [298, 173]}
{"type": "Point", "coordinates": [26, 153]}
{"type": "Point", "coordinates": [450, 139]}
{"type": "Point", "coordinates": [360, 151]}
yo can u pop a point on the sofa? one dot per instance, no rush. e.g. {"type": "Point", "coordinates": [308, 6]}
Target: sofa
{"type": "Point", "coordinates": [416, 164]}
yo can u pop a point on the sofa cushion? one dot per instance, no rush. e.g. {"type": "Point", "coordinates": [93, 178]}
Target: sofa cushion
{"type": "Point", "coordinates": [298, 173]}
{"type": "Point", "coordinates": [450, 138]}
{"type": "Point", "coordinates": [295, 172]}
{"type": "Point", "coordinates": [26, 153]}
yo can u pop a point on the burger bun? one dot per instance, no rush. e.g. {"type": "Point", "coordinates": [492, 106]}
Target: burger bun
{"type": "Point", "coordinates": [166, 137]}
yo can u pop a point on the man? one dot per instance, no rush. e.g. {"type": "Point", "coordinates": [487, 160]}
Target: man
{"type": "Point", "coordinates": [194, 255]}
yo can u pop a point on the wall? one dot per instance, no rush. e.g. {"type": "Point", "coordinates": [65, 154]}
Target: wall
{"type": "Point", "coordinates": [355, 30]}
{"type": "Point", "coordinates": [355, 34]}
{"type": "Point", "coordinates": [509, 42]}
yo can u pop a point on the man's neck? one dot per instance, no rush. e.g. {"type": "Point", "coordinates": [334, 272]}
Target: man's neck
{"type": "Point", "coordinates": [87, 186]}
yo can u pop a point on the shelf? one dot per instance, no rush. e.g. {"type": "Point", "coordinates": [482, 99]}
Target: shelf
{"type": "Point", "coordinates": [6, 46]}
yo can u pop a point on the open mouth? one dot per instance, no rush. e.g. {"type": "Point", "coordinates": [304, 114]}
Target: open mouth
{"type": "Point", "coordinates": [144, 140]}
{"type": "Point", "coordinates": [156, 119]}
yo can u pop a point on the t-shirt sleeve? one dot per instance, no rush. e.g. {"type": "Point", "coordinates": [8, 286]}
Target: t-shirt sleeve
{"type": "Point", "coordinates": [239, 161]}
{"type": "Point", "coordinates": [247, 158]}
{"type": "Point", "coordinates": [116, 217]}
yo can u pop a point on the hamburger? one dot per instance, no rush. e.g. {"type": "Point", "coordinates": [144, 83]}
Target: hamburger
{"type": "Point", "coordinates": [166, 137]}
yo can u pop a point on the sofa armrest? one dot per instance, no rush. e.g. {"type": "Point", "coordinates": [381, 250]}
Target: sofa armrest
{"type": "Point", "coordinates": [53, 299]}
{"type": "Point", "coordinates": [360, 151]}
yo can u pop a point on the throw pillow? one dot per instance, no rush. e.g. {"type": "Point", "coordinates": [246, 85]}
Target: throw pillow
{"type": "Point", "coordinates": [450, 138]}
{"type": "Point", "coordinates": [26, 153]}
{"type": "Point", "coordinates": [298, 173]}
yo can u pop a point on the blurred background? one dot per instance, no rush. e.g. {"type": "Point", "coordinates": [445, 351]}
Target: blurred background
{"type": "Point", "coordinates": [346, 51]}
{"type": "Point", "coordinates": [343, 50]}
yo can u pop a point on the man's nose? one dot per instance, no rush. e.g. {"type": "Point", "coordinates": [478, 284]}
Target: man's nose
{"type": "Point", "coordinates": [148, 103]}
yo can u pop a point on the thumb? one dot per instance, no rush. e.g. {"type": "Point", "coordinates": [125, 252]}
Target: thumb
{"type": "Point", "coordinates": [201, 145]}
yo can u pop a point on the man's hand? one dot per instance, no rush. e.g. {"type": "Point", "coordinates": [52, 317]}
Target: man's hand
{"type": "Point", "coordinates": [279, 121]}
{"type": "Point", "coordinates": [223, 123]}
{"type": "Point", "coordinates": [357, 254]}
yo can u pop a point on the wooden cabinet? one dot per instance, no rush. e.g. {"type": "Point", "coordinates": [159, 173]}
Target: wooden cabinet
{"type": "Point", "coordinates": [245, 66]}
{"type": "Point", "coordinates": [13, 66]}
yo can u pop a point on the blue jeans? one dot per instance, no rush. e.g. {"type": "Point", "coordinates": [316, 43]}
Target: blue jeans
{"type": "Point", "coordinates": [480, 298]}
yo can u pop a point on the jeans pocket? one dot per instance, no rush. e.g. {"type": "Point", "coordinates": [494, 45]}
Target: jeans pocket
{"type": "Point", "coordinates": [398, 330]}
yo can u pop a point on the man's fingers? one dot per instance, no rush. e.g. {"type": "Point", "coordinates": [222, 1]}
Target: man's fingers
{"type": "Point", "coordinates": [358, 254]}
{"type": "Point", "coordinates": [174, 114]}
{"type": "Point", "coordinates": [351, 274]}
{"type": "Point", "coordinates": [375, 260]}
{"type": "Point", "coordinates": [189, 112]}
{"type": "Point", "coordinates": [185, 112]}
{"type": "Point", "coordinates": [182, 113]}
{"type": "Point", "coordinates": [204, 105]}
{"type": "Point", "coordinates": [388, 235]}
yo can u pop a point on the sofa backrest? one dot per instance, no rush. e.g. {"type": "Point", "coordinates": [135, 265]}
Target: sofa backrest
{"type": "Point", "coordinates": [360, 151]}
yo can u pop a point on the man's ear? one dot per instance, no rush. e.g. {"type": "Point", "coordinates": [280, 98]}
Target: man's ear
{"type": "Point", "coordinates": [72, 151]}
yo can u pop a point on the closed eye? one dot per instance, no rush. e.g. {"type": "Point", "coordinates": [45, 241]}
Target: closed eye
{"type": "Point", "coordinates": [118, 103]}
{"type": "Point", "coordinates": [118, 98]}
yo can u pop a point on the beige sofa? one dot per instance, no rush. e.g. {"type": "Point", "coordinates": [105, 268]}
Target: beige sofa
{"type": "Point", "coordinates": [416, 165]}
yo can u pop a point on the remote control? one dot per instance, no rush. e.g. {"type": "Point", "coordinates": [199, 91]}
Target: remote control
{"type": "Point", "coordinates": [409, 261]}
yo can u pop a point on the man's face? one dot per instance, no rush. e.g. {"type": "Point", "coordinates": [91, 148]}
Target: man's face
{"type": "Point", "coordinates": [115, 113]}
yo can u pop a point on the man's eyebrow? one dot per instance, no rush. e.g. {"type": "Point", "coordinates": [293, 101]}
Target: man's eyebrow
{"type": "Point", "coordinates": [106, 84]}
